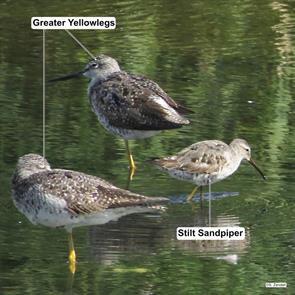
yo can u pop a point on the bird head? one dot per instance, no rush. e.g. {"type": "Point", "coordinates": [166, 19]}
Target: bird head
{"type": "Point", "coordinates": [30, 164]}
{"type": "Point", "coordinates": [99, 68]}
{"type": "Point", "coordinates": [243, 149]}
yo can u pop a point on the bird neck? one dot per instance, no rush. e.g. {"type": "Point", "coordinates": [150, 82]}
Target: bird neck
{"type": "Point", "coordinates": [99, 78]}
{"type": "Point", "coordinates": [236, 154]}
{"type": "Point", "coordinates": [23, 173]}
{"type": "Point", "coordinates": [96, 80]}
{"type": "Point", "coordinates": [19, 176]}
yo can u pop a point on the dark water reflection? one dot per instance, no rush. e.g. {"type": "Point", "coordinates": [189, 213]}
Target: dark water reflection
{"type": "Point", "coordinates": [233, 64]}
{"type": "Point", "coordinates": [147, 235]}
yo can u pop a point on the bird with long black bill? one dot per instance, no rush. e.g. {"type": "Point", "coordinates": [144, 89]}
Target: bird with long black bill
{"type": "Point", "coordinates": [68, 199]}
{"type": "Point", "coordinates": [129, 106]}
{"type": "Point", "coordinates": [207, 162]}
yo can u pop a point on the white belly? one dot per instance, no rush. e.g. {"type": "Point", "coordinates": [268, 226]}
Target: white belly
{"type": "Point", "coordinates": [126, 134]}
{"type": "Point", "coordinates": [202, 179]}
{"type": "Point", "coordinates": [52, 212]}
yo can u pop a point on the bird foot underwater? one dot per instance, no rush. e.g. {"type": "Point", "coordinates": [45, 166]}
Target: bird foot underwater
{"type": "Point", "coordinates": [72, 261]}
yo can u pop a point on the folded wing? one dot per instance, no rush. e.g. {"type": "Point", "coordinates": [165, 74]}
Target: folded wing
{"type": "Point", "coordinates": [134, 102]}
{"type": "Point", "coordinates": [88, 194]}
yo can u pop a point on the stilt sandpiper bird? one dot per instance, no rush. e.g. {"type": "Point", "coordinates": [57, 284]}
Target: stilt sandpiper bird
{"type": "Point", "coordinates": [207, 162]}
{"type": "Point", "coordinates": [65, 198]}
{"type": "Point", "coordinates": [129, 106]}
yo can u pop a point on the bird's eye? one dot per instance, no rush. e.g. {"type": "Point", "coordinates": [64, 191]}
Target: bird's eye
{"type": "Point", "coordinates": [94, 65]}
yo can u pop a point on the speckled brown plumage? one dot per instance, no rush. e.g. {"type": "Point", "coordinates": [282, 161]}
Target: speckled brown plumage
{"type": "Point", "coordinates": [201, 157]}
{"type": "Point", "coordinates": [207, 161]}
{"type": "Point", "coordinates": [83, 193]}
{"type": "Point", "coordinates": [127, 105]}
{"type": "Point", "coordinates": [67, 192]}
{"type": "Point", "coordinates": [134, 102]}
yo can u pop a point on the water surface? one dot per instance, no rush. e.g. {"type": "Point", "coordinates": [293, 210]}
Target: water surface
{"type": "Point", "coordinates": [232, 62]}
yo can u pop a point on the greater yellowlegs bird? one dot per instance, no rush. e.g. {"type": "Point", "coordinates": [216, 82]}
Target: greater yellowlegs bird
{"type": "Point", "coordinates": [129, 106]}
{"type": "Point", "coordinates": [207, 162]}
{"type": "Point", "coordinates": [65, 198]}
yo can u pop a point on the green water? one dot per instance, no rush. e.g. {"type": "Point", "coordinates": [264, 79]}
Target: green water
{"type": "Point", "coordinates": [233, 64]}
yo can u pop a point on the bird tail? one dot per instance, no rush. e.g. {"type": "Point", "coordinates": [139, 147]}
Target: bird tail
{"type": "Point", "coordinates": [157, 203]}
{"type": "Point", "coordinates": [176, 118]}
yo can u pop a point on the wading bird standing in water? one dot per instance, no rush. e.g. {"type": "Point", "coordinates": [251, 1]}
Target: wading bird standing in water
{"type": "Point", "coordinates": [207, 162]}
{"type": "Point", "coordinates": [129, 106]}
{"type": "Point", "coordinates": [65, 198]}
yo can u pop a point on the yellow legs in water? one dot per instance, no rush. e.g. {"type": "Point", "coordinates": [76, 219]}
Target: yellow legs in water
{"type": "Point", "coordinates": [192, 194]}
{"type": "Point", "coordinates": [72, 254]}
{"type": "Point", "coordinates": [131, 161]}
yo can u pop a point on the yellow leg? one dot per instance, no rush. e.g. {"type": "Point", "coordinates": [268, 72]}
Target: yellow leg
{"type": "Point", "coordinates": [192, 194]}
{"type": "Point", "coordinates": [131, 161]}
{"type": "Point", "coordinates": [72, 254]}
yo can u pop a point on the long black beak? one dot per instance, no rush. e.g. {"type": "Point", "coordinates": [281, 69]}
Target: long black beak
{"type": "Point", "coordinates": [256, 167]}
{"type": "Point", "coordinates": [69, 76]}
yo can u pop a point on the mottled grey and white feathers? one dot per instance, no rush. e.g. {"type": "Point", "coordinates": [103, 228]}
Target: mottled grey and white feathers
{"type": "Point", "coordinates": [82, 193]}
{"type": "Point", "coordinates": [127, 105]}
{"type": "Point", "coordinates": [207, 161]}
{"type": "Point", "coordinates": [129, 101]}
{"type": "Point", "coordinates": [201, 157]}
